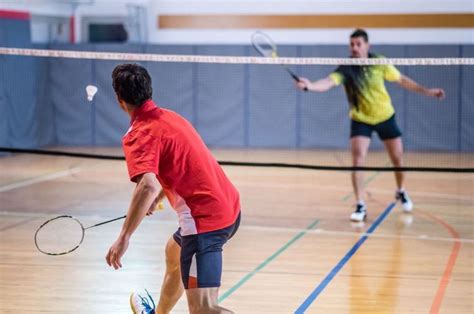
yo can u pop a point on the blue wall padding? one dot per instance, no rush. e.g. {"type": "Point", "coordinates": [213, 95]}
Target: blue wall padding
{"type": "Point", "coordinates": [43, 100]}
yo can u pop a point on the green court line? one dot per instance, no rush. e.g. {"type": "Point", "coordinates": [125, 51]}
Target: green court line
{"type": "Point", "coordinates": [282, 249]}
{"type": "Point", "coordinates": [366, 181]}
{"type": "Point", "coordinates": [265, 262]}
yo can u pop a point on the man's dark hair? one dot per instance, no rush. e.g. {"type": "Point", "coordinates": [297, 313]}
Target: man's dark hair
{"type": "Point", "coordinates": [360, 33]}
{"type": "Point", "coordinates": [132, 84]}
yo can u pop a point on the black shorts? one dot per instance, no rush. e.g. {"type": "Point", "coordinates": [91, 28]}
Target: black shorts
{"type": "Point", "coordinates": [201, 256]}
{"type": "Point", "coordinates": [386, 130]}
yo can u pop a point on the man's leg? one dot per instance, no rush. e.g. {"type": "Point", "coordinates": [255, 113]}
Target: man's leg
{"type": "Point", "coordinates": [394, 148]}
{"type": "Point", "coordinates": [172, 288]}
{"type": "Point", "coordinates": [204, 300]}
{"type": "Point", "coordinates": [359, 148]}
{"type": "Point", "coordinates": [202, 268]}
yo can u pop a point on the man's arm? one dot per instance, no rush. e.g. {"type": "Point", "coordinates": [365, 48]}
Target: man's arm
{"type": "Point", "coordinates": [145, 193]}
{"type": "Point", "coordinates": [321, 85]}
{"type": "Point", "coordinates": [413, 86]}
{"type": "Point", "coordinates": [157, 203]}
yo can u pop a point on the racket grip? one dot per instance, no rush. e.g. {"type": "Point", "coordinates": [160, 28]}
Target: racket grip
{"type": "Point", "coordinates": [294, 76]}
{"type": "Point", "coordinates": [297, 78]}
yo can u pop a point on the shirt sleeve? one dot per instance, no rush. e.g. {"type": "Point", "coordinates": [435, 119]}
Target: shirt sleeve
{"type": "Point", "coordinates": [142, 154]}
{"type": "Point", "coordinates": [391, 73]}
{"type": "Point", "coordinates": [337, 76]}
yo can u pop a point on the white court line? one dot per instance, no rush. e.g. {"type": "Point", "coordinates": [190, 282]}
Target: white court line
{"type": "Point", "coordinates": [422, 237]}
{"type": "Point", "coordinates": [80, 217]}
{"type": "Point", "coordinates": [39, 179]}
{"type": "Point", "coordinates": [348, 233]}
{"type": "Point", "coordinates": [450, 196]}
{"type": "Point", "coordinates": [313, 187]}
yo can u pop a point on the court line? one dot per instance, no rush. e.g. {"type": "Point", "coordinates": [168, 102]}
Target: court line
{"type": "Point", "coordinates": [39, 179]}
{"type": "Point", "coordinates": [31, 181]}
{"type": "Point", "coordinates": [317, 291]}
{"type": "Point", "coordinates": [262, 228]}
{"type": "Point", "coordinates": [348, 233]}
{"type": "Point", "coordinates": [245, 278]}
{"type": "Point", "coordinates": [431, 195]}
{"type": "Point", "coordinates": [8, 227]}
{"type": "Point", "coordinates": [445, 279]}
{"type": "Point", "coordinates": [367, 181]}
{"type": "Point", "coordinates": [282, 249]}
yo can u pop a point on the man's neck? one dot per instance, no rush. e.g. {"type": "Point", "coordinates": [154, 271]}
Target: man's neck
{"type": "Point", "coordinates": [130, 109]}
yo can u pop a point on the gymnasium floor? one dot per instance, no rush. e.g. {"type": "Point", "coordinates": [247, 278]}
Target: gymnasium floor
{"type": "Point", "coordinates": [295, 250]}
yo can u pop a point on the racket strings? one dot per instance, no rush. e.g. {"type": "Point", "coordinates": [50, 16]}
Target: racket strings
{"type": "Point", "coordinates": [59, 236]}
{"type": "Point", "coordinates": [264, 45]}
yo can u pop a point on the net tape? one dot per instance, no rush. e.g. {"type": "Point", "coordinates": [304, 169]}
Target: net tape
{"type": "Point", "coordinates": [229, 59]}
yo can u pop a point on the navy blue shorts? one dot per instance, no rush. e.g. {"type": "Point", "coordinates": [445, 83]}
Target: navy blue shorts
{"type": "Point", "coordinates": [201, 256]}
{"type": "Point", "coordinates": [386, 130]}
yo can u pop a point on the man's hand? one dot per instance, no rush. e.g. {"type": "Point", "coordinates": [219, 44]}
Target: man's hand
{"type": "Point", "coordinates": [157, 203]}
{"type": "Point", "coordinates": [436, 92]}
{"type": "Point", "coordinates": [146, 191]}
{"type": "Point", "coordinates": [303, 83]}
{"type": "Point", "coordinates": [413, 86]}
{"type": "Point", "coordinates": [116, 251]}
{"type": "Point", "coordinates": [152, 208]}
{"type": "Point", "coordinates": [321, 85]}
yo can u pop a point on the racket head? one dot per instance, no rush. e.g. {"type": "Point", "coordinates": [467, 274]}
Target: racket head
{"type": "Point", "coordinates": [264, 44]}
{"type": "Point", "coordinates": [59, 235]}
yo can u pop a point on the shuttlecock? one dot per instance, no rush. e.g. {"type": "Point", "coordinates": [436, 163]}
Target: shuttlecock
{"type": "Point", "coordinates": [91, 90]}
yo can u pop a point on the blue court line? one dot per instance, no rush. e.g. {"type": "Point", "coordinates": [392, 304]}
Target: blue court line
{"type": "Point", "coordinates": [267, 261]}
{"type": "Point", "coordinates": [310, 299]}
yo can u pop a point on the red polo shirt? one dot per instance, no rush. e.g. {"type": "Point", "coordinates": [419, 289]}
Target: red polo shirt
{"type": "Point", "coordinates": [162, 142]}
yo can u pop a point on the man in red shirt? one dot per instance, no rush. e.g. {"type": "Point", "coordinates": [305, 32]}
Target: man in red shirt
{"type": "Point", "coordinates": [162, 148]}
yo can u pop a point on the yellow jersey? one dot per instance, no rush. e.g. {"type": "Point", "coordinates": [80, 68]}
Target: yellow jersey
{"type": "Point", "coordinates": [365, 89]}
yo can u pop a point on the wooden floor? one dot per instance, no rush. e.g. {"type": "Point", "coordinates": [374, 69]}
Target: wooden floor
{"type": "Point", "coordinates": [295, 239]}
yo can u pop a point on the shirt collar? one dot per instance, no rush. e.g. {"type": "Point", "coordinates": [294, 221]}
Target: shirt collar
{"type": "Point", "coordinates": [146, 107]}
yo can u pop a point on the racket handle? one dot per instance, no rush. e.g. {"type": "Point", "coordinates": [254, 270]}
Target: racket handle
{"type": "Point", "coordinates": [296, 78]}
{"type": "Point", "coordinates": [106, 222]}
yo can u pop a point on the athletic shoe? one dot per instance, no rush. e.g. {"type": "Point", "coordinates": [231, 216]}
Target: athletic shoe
{"type": "Point", "coordinates": [360, 214]}
{"type": "Point", "coordinates": [142, 305]}
{"type": "Point", "coordinates": [407, 204]}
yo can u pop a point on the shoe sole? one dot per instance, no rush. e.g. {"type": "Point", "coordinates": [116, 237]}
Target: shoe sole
{"type": "Point", "coordinates": [398, 199]}
{"type": "Point", "coordinates": [356, 220]}
{"type": "Point", "coordinates": [131, 304]}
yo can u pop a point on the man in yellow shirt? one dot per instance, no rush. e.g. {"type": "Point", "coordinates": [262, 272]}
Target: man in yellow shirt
{"type": "Point", "coordinates": [370, 110]}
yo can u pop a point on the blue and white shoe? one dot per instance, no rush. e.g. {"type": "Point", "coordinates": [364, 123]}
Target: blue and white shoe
{"type": "Point", "coordinates": [142, 305]}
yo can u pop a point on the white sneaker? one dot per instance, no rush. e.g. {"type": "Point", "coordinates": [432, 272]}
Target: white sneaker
{"type": "Point", "coordinates": [403, 197]}
{"type": "Point", "coordinates": [360, 214]}
{"type": "Point", "coordinates": [142, 305]}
